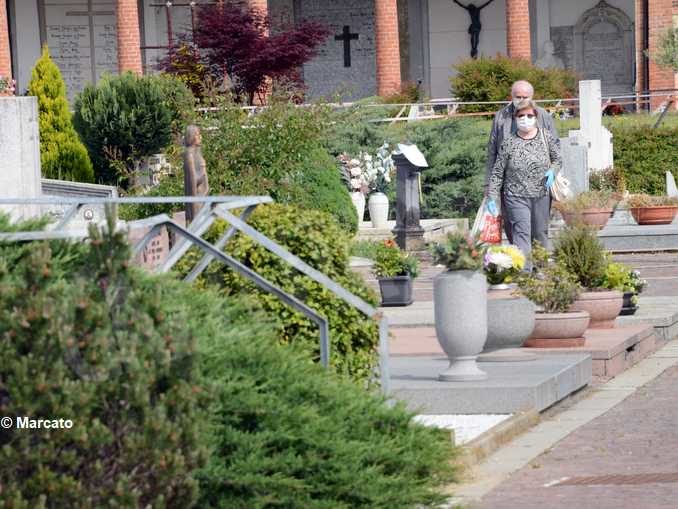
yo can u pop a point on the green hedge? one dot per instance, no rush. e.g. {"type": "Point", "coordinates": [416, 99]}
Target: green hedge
{"type": "Point", "coordinates": [644, 155]}
{"type": "Point", "coordinates": [490, 79]}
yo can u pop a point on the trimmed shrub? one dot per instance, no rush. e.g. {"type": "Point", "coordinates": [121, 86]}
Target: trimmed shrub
{"type": "Point", "coordinates": [83, 337]}
{"type": "Point", "coordinates": [490, 79]}
{"type": "Point", "coordinates": [578, 249]}
{"type": "Point", "coordinates": [644, 155]}
{"type": "Point", "coordinates": [62, 154]}
{"type": "Point", "coordinates": [286, 434]}
{"type": "Point", "coordinates": [121, 120]}
{"type": "Point", "coordinates": [318, 240]}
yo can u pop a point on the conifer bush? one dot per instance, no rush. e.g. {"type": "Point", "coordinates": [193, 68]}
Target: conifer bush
{"type": "Point", "coordinates": [62, 154]}
{"type": "Point", "coordinates": [122, 119]}
{"type": "Point", "coordinates": [84, 337]}
{"type": "Point", "coordinates": [285, 433]}
{"type": "Point", "coordinates": [318, 240]}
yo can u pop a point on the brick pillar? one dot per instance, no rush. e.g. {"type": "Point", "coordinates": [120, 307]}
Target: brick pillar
{"type": "Point", "coordinates": [641, 45]}
{"type": "Point", "coordinates": [388, 47]}
{"type": "Point", "coordinates": [5, 57]}
{"type": "Point", "coordinates": [129, 40]}
{"type": "Point", "coordinates": [518, 29]}
{"type": "Point", "coordinates": [660, 14]}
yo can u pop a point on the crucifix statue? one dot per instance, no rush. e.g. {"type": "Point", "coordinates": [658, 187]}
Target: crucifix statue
{"type": "Point", "coordinates": [475, 26]}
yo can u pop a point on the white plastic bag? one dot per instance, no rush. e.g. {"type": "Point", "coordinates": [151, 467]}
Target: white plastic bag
{"type": "Point", "coordinates": [480, 219]}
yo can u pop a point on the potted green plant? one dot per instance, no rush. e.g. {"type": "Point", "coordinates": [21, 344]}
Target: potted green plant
{"type": "Point", "coordinates": [652, 210]}
{"type": "Point", "coordinates": [395, 271]}
{"type": "Point", "coordinates": [460, 305]}
{"type": "Point", "coordinates": [593, 208]}
{"type": "Point", "coordinates": [553, 289]}
{"type": "Point", "coordinates": [582, 254]}
{"type": "Point", "coordinates": [621, 277]}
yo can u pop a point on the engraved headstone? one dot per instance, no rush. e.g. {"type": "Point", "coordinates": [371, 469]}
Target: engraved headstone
{"type": "Point", "coordinates": [575, 166]}
{"type": "Point", "coordinates": [81, 35]}
{"type": "Point", "coordinates": [597, 138]}
{"type": "Point", "coordinates": [563, 43]}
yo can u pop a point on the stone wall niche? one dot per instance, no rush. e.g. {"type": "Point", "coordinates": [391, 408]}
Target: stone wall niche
{"type": "Point", "coordinates": [604, 48]}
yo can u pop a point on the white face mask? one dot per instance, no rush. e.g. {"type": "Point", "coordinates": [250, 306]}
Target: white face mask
{"type": "Point", "coordinates": [526, 123]}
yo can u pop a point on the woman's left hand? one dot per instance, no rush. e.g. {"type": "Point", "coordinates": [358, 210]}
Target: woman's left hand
{"type": "Point", "coordinates": [550, 177]}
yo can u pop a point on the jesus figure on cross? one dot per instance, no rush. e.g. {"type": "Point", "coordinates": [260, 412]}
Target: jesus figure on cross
{"type": "Point", "coordinates": [475, 26]}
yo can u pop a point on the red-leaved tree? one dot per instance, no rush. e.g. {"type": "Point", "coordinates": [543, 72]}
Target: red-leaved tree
{"type": "Point", "coordinates": [235, 41]}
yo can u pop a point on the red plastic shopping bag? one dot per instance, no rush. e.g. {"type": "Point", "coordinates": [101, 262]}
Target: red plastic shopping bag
{"type": "Point", "coordinates": [490, 232]}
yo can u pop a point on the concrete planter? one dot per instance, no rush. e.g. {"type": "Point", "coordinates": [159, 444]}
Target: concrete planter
{"type": "Point", "coordinates": [460, 306]}
{"type": "Point", "coordinates": [396, 291]}
{"type": "Point", "coordinates": [592, 217]}
{"type": "Point", "coordinates": [603, 307]}
{"type": "Point", "coordinates": [554, 330]}
{"type": "Point", "coordinates": [510, 321]}
{"type": "Point", "coordinates": [654, 215]}
{"type": "Point", "coordinates": [378, 207]}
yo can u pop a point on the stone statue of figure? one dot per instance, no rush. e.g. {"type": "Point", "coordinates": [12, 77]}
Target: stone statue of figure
{"type": "Point", "coordinates": [548, 59]}
{"type": "Point", "coordinates": [195, 171]}
{"type": "Point", "coordinates": [475, 26]}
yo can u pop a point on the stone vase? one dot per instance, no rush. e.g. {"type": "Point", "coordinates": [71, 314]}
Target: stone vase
{"type": "Point", "coordinates": [378, 207]}
{"type": "Point", "coordinates": [603, 307]}
{"type": "Point", "coordinates": [460, 306]}
{"type": "Point", "coordinates": [510, 321]}
{"type": "Point", "coordinates": [358, 200]}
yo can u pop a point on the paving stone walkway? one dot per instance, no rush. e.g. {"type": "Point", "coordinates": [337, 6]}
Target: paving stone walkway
{"type": "Point", "coordinates": [626, 458]}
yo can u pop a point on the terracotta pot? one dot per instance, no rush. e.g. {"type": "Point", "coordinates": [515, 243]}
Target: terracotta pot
{"type": "Point", "coordinates": [553, 330]}
{"type": "Point", "coordinates": [603, 306]}
{"type": "Point", "coordinates": [654, 215]}
{"type": "Point", "coordinates": [591, 217]}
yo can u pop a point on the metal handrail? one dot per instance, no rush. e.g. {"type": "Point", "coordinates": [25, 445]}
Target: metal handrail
{"type": "Point", "coordinates": [217, 207]}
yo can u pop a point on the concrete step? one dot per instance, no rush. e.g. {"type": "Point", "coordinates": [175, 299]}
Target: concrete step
{"type": "Point", "coordinates": [510, 387]}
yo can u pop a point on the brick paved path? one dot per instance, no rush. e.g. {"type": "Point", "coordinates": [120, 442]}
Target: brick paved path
{"type": "Point", "coordinates": [638, 436]}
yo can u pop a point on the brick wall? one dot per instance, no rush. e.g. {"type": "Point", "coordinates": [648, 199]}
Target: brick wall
{"type": "Point", "coordinates": [518, 29]}
{"type": "Point", "coordinates": [388, 46]}
{"type": "Point", "coordinates": [660, 14]}
{"type": "Point", "coordinates": [5, 58]}
{"type": "Point", "coordinates": [129, 42]}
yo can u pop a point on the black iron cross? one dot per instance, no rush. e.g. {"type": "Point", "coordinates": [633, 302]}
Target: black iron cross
{"type": "Point", "coordinates": [347, 37]}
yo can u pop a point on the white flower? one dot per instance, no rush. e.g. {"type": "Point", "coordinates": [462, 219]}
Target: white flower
{"type": "Point", "coordinates": [356, 183]}
{"type": "Point", "coordinates": [387, 178]}
{"type": "Point", "coordinates": [356, 172]}
{"type": "Point", "coordinates": [367, 157]}
{"type": "Point", "coordinates": [354, 162]}
{"type": "Point", "coordinates": [501, 260]}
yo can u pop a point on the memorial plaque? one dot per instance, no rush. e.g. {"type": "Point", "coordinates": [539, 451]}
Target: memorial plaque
{"type": "Point", "coordinates": [604, 53]}
{"type": "Point", "coordinates": [603, 42]}
{"type": "Point", "coordinates": [81, 35]}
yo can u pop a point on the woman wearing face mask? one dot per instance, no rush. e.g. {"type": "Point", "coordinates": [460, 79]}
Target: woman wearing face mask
{"type": "Point", "coordinates": [525, 168]}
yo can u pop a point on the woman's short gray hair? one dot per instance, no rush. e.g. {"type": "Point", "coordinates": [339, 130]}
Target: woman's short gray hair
{"type": "Point", "coordinates": [524, 104]}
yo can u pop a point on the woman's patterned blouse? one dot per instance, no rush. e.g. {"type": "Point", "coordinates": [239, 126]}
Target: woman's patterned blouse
{"type": "Point", "coordinates": [521, 165]}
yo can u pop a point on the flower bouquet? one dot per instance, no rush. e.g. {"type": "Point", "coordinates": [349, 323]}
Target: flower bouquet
{"type": "Point", "coordinates": [7, 86]}
{"type": "Point", "coordinates": [501, 264]}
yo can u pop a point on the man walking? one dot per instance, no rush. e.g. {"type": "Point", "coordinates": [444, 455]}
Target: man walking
{"type": "Point", "coordinates": [504, 125]}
